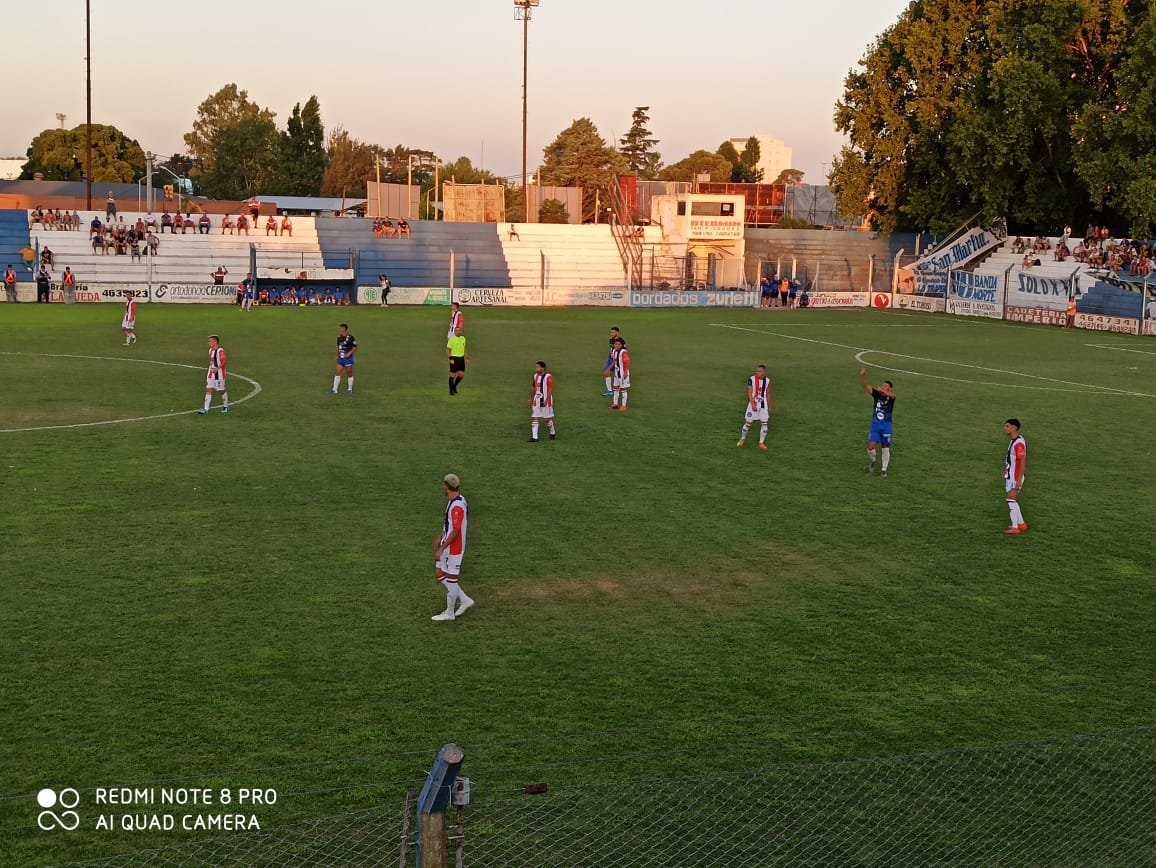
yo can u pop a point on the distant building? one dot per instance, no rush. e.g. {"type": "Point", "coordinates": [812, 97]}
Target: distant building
{"type": "Point", "coordinates": [774, 155]}
{"type": "Point", "coordinates": [10, 167]}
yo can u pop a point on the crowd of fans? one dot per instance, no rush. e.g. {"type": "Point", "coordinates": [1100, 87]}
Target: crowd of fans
{"type": "Point", "coordinates": [384, 227]}
{"type": "Point", "coordinates": [1098, 249]}
{"type": "Point", "coordinates": [307, 296]}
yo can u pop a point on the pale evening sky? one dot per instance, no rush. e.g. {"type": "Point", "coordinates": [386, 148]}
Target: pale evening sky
{"type": "Point", "coordinates": [447, 75]}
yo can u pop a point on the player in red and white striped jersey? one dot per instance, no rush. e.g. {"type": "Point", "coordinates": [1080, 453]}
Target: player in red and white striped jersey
{"type": "Point", "coordinates": [128, 323]}
{"type": "Point", "coordinates": [215, 379]}
{"type": "Point", "coordinates": [1015, 466]}
{"type": "Point", "coordinates": [450, 548]}
{"type": "Point", "coordinates": [621, 381]}
{"type": "Point", "coordinates": [541, 401]}
{"type": "Point", "coordinates": [457, 320]}
{"type": "Point", "coordinates": [759, 406]}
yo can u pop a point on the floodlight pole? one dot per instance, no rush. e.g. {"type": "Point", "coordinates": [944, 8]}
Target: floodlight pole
{"type": "Point", "coordinates": [88, 102]}
{"type": "Point", "coordinates": [523, 8]}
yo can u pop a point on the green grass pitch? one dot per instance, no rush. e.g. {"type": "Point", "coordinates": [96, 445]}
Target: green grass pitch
{"type": "Point", "coordinates": [245, 600]}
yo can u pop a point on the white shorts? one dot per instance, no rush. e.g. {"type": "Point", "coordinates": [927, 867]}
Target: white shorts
{"type": "Point", "coordinates": [763, 415]}
{"type": "Point", "coordinates": [1009, 484]}
{"type": "Point", "coordinates": [541, 412]}
{"type": "Point", "coordinates": [622, 382]}
{"type": "Point", "coordinates": [215, 384]}
{"type": "Point", "coordinates": [449, 564]}
{"type": "Point", "coordinates": [128, 324]}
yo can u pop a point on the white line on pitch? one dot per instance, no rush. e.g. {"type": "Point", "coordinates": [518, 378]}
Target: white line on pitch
{"type": "Point", "coordinates": [1094, 389]}
{"type": "Point", "coordinates": [1121, 349]}
{"type": "Point", "coordinates": [253, 394]}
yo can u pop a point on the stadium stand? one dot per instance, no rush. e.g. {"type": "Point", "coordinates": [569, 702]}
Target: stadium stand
{"type": "Point", "coordinates": [14, 237]}
{"type": "Point", "coordinates": [1107, 299]}
{"type": "Point", "coordinates": [1004, 257]}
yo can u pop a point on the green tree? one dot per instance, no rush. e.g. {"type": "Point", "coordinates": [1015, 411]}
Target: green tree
{"type": "Point", "coordinates": [580, 157]}
{"type": "Point", "coordinates": [350, 163]}
{"type": "Point", "coordinates": [743, 169]}
{"type": "Point", "coordinates": [788, 177]}
{"type": "Point", "coordinates": [60, 155]}
{"type": "Point", "coordinates": [247, 159]}
{"type": "Point", "coordinates": [462, 171]}
{"type": "Point", "coordinates": [553, 211]}
{"type": "Point", "coordinates": [637, 146]}
{"type": "Point", "coordinates": [303, 151]}
{"type": "Point", "coordinates": [217, 118]}
{"type": "Point", "coordinates": [700, 162]}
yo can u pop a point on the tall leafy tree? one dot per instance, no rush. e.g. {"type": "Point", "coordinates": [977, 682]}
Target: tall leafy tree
{"type": "Point", "coordinates": [789, 177]}
{"type": "Point", "coordinates": [637, 146]}
{"type": "Point", "coordinates": [743, 165]}
{"type": "Point", "coordinates": [350, 163]}
{"type": "Point", "coordinates": [303, 151]}
{"type": "Point", "coordinates": [698, 163]}
{"type": "Point", "coordinates": [61, 155]}
{"type": "Point", "coordinates": [580, 157]}
{"type": "Point", "coordinates": [214, 138]}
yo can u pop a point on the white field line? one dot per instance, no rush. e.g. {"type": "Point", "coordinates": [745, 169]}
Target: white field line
{"type": "Point", "coordinates": [253, 394]}
{"type": "Point", "coordinates": [1086, 388]}
{"type": "Point", "coordinates": [1121, 349]}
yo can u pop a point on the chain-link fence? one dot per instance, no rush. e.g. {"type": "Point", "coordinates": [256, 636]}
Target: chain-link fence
{"type": "Point", "coordinates": [1083, 800]}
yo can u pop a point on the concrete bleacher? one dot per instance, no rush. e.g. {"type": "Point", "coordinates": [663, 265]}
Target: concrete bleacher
{"type": "Point", "coordinates": [14, 238]}
{"type": "Point", "coordinates": [1107, 299]}
{"type": "Point", "coordinates": [1003, 258]}
{"type": "Point", "coordinates": [552, 256]}
{"type": "Point", "coordinates": [183, 258]}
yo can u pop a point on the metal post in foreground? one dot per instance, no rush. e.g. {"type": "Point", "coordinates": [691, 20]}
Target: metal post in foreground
{"type": "Point", "coordinates": [431, 807]}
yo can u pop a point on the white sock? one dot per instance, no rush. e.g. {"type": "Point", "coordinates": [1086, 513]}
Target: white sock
{"type": "Point", "coordinates": [336, 382]}
{"type": "Point", "coordinates": [349, 383]}
{"type": "Point", "coordinates": [534, 429]}
{"type": "Point", "coordinates": [550, 426]}
{"type": "Point", "coordinates": [607, 380]}
{"type": "Point", "coordinates": [615, 398]}
{"type": "Point", "coordinates": [871, 455]}
{"type": "Point", "coordinates": [886, 457]}
{"type": "Point", "coordinates": [763, 433]}
{"type": "Point", "coordinates": [224, 399]}
{"type": "Point", "coordinates": [451, 594]}
{"type": "Point", "coordinates": [208, 400]}
{"type": "Point", "coordinates": [1017, 517]}
{"type": "Point", "coordinates": [625, 395]}
{"type": "Point", "coordinates": [746, 428]}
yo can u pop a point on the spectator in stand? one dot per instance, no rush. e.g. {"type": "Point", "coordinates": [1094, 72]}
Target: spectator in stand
{"type": "Point", "coordinates": [139, 226]}
{"type": "Point", "coordinates": [153, 243]}
{"type": "Point", "coordinates": [329, 299]}
{"type": "Point", "coordinates": [254, 210]}
{"type": "Point", "coordinates": [1040, 245]}
{"type": "Point", "coordinates": [1062, 251]}
{"type": "Point", "coordinates": [47, 258]}
{"type": "Point", "coordinates": [311, 296]}
{"type": "Point", "coordinates": [166, 221]}
{"type": "Point", "coordinates": [513, 235]}
{"type": "Point", "coordinates": [271, 225]}
{"type": "Point", "coordinates": [765, 291]}
{"type": "Point", "coordinates": [792, 292]}
{"type": "Point", "coordinates": [110, 205]}
{"type": "Point", "coordinates": [203, 223]}
{"type": "Point", "coordinates": [243, 224]}
{"type": "Point", "coordinates": [387, 229]}
{"type": "Point", "coordinates": [804, 298]}
{"type": "Point", "coordinates": [1030, 260]}
{"type": "Point", "coordinates": [219, 275]}
{"type": "Point", "coordinates": [227, 224]}
{"type": "Point", "coordinates": [150, 222]}
{"type": "Point", "coordinates": [263, 296]}
{"type": "Point", "coordinates": [190, 224]}
{"type": "Point", "coordinates": [178, 223]}
{"type": "Point", "coordinates": [134, 248]}
{"type": "Point", "coordinates": [402, 228]}
{"type": "Point", "coordinates": [1019, 246]}
{"type": "Point", "coordinates": [95, 227]}
{"type": "Point", "coordinates": [286, 225]}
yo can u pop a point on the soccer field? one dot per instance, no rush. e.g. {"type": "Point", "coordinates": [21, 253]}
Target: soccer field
{"type": "Point", "coordinates": [244, 600]}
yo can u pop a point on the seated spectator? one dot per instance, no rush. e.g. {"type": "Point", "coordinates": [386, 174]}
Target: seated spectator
{"type": "Point", "coordinates": [1040, 245]}
{"type": "Point", "coordinates": [804, 298]}
{"type": "Point", "coordinates": [513, 234]}
{"type": "Point", "coordinates": [1030, 261]}
{"type": "Point", "coordinates": [387, 229]}
{"type": "Point", "coordinates": [263, 296]}
{"type": "Point", "coordinates": [1019, 246]}
{"type": "Point", "coordinates": [95, 227]}
{"type": "Point", "coordinates": [150, 221]}
{"type": "Point", "coordinates": [402, 228]}
{"type": "Point", "coordinates": [134, 248]}
{"type": "Point", "coordinates": [226, 224]}
{"type": "Point", "coordinates": [1062, 252]}
{"type": "Point", "coordinates": [203, 223]}
{"type": "Point", "coordinates": [242, 224]}
{"type": "Point", "coordinates": [271, 225]}
{"type": "Point", "coordinates": [47, 258]}
{"type": "Point", "coordinates": [286, 226]}
{"type": "Point", "coordinates": [167, 221]}
{"type": "Point", "coordinates": [36, 215]}
{"type": "Point", "coordinates": [98, 243]}
{"type": "Point", "coordinates": [311, 296]}
{"type": "Point", "coordinates": [190, 224]}
{"type": "Point", "coordinates": [329, 299]}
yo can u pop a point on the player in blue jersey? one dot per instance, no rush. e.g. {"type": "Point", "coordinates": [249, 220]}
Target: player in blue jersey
{"type": "Point", "coordinates": [880, 433]}
{"type": "Point", "coordinates": [343, 358]}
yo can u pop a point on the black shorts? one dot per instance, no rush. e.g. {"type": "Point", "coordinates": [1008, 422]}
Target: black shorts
{"type": "Point", "coordinates": [457, 363]}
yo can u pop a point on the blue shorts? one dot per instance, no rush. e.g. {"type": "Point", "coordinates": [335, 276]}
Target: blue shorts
{"type": "Point", "coordinates": [609, 363]}
{"type": "Point", "coordinates": [880, 433]}
{"type": "Point", "coordinates": [345, 363]}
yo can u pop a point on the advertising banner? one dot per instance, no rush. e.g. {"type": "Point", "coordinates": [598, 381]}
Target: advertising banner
{"type": "Point", "coordinates": [93, 293]}
{"type": "Point", "coordinates": [975, 294]}
{"type": "Point", "coordinates": [195, 293]}
{"type": "Point", "coordinates": [695, 298]}
{"type": "Point", "coordinates": [586, 297]}
{"type": "Point", "coordinates": [1150, 327]}
{"type": "Point", "coordinates": [24, 292]}
{"type": "Point", "coordinates": [404, 295]}
{"type": "Point", "coordinates": [959, 252]}
{"type": "Point", "coordinates": [1042, 315]}
{"type": "Point", "coordinates": [967, 307]}
{"type": "Point", "coordinates": [501, 297]}
{"type": "Point", "coordinates": [840, 299]}
{"type": "Point", "coordinates": [881, 300]}
{"type": "Point", "coordinates": [1099, 323]}
{"type": "Point", "coordinates": [1032, 291]}
{"type": "Point", "coordinates": [931, 304]}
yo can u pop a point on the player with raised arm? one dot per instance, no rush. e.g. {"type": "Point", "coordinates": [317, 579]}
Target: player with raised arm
{"type": "Point", "coordinates": [215, 380]}
{"type": "Point", "coordinates": [759, 406]}
{"type": "Point", "coordinates": [343, 359]}
{"type": "Point", "coordinates": [1015, 465]}
{"type": "Point", "coordinates": [128, 322]}
{"type": "Point", "coordinates": [541, 401]}
{"type": "Point", "coordinates": [621, 390]}
{"type": "Point", "coordinates": [608, 368]}
{"type": "Point", "coordinates": [880, 432]}
{"type": "Point", "coordinates": [450, 548]}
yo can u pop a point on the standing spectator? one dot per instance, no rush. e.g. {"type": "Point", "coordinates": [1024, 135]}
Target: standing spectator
{"type": "Point", "coordinates": [765, 291]}
{"type": "Point", "coordinates": [621, 376]}
{"type": "Point", "coordinates": [792, 292]}
{"type": "Point", "coordinates": [759, 406]}
{"type": "Point", "coordinates": [343, 359]}
{"type": "Point", "coordinates": [110, 205]}
{"type": "Point", "coordinates": [254, 209]}
{"type": "Point", "coordinates": [450, 548]}
{"type": "Point", "coordinates": [219, 275]}
{"type": "Point", "coordinates": [784, 290]}
{"type": "Point", "coordinates": [215, 378]}
{"type": "Point", "coordinates": [248, 297]}
{"type": "Point", "coordinates": [128, 321]}
{"type": "Point", "coordinates": [153, 242]}
{"type": "Point", "coordinates": [68, 278]}
{"type": "Point", "coordinates": [286, 225]}
{"type": "Point", "coordinates": [386, 286]}
{"type": "Point", "coordinates": [541, 401]}
{"type": "Point", "coordinates": [1014, 467]}
{"type": "Point", "coordinates": [456, 353]}
{"type": "Point", "coordinates": [513, 235]}
{"type": "Point", "coordinates": [203, 223]}
{"type": "Point", "coordinates": [10, 284]}
{"type": "Point", "coordinates": [43, 285]}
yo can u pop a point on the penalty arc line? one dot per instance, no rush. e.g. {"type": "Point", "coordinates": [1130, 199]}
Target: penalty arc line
{"type": "Point", "coordinates": [253, 394]}
{"type": "Point", "coordinates": [1087, 388]}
